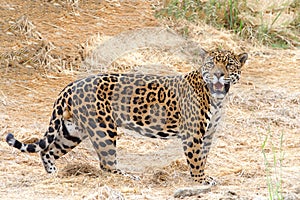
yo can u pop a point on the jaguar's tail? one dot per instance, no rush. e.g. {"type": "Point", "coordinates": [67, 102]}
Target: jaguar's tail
{"type": "Point", "coordinates": [50, 136]}
{"type": "Point", "coordinates": [30, 148]}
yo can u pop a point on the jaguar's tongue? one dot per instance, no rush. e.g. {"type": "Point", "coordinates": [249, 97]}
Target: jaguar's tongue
{"type": "Point", "coordinates": [218, 86]}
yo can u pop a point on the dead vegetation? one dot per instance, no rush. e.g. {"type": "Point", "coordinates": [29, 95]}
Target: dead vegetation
{"type": "Point", "coordinates": [77, 169]}
{"type": "Point", "coordinates": [33, 51]}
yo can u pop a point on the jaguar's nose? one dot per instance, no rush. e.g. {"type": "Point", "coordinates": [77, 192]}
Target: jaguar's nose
{"type": "Point", "coordinates": [219, 74]}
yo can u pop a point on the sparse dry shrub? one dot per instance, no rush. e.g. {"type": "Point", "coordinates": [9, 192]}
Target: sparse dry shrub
{"type": "Point", "coordinates": [77, 169]}
{"type": "Point", "coordinates": [24, 27]}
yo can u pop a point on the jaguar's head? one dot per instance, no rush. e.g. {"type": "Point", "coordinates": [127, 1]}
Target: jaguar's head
{"type": "Point", "coordinates": [220, 69]}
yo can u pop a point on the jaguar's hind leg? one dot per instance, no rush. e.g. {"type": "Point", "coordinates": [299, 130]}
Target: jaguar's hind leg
{"type": "Point", "coordinates": [70, 135]}
{"type": "Point", "coordinates": [103, 136]}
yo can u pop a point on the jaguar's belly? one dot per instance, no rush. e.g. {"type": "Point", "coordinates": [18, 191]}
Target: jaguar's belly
{"type": "Point", "coordinates": [153, 131]}
{"type": "Point", "coordinates": [154, 123]}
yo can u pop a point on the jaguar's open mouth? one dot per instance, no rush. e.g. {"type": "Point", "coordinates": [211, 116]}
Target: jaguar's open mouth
{"type": "Point", "coordinates": [218, 89]}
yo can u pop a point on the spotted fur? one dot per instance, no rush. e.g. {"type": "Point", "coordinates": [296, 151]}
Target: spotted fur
{"type": "Point", "coordinates": [185, 106]}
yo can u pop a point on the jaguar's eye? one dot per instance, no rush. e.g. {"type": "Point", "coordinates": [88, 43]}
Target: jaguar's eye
{"type": "Point", "coordinates": [210, 65]}
{"type": "Point", "coordinates": [230, 67]}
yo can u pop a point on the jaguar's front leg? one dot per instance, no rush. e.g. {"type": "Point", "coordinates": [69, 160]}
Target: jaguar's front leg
{"type": "Point", "coordinates": [196, 150]}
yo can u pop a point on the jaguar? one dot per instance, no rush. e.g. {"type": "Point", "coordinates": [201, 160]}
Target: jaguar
{"type": "Point", "coordinates": [187, 106]}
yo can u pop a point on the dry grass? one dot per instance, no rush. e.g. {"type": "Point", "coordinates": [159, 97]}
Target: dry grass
{"type": "Point", "coordinates": [37, 51]}
{"type": "Point", "coordinates": [266, 101]}
{"type": "Point", "coordinates": [54, 43]}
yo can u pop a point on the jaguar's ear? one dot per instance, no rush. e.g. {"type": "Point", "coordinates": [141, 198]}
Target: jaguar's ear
{"type": "Point", "coordinates": [242, 58]}
{"type": "Point", "coordinates": [202, 53]}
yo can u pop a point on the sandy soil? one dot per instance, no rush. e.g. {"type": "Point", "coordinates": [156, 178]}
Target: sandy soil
{"type": "Point", "coordinates": [266, 102]}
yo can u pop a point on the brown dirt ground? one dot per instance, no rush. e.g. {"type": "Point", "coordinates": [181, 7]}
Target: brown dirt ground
{"type": "Point", "coordinates": [265, 102]}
